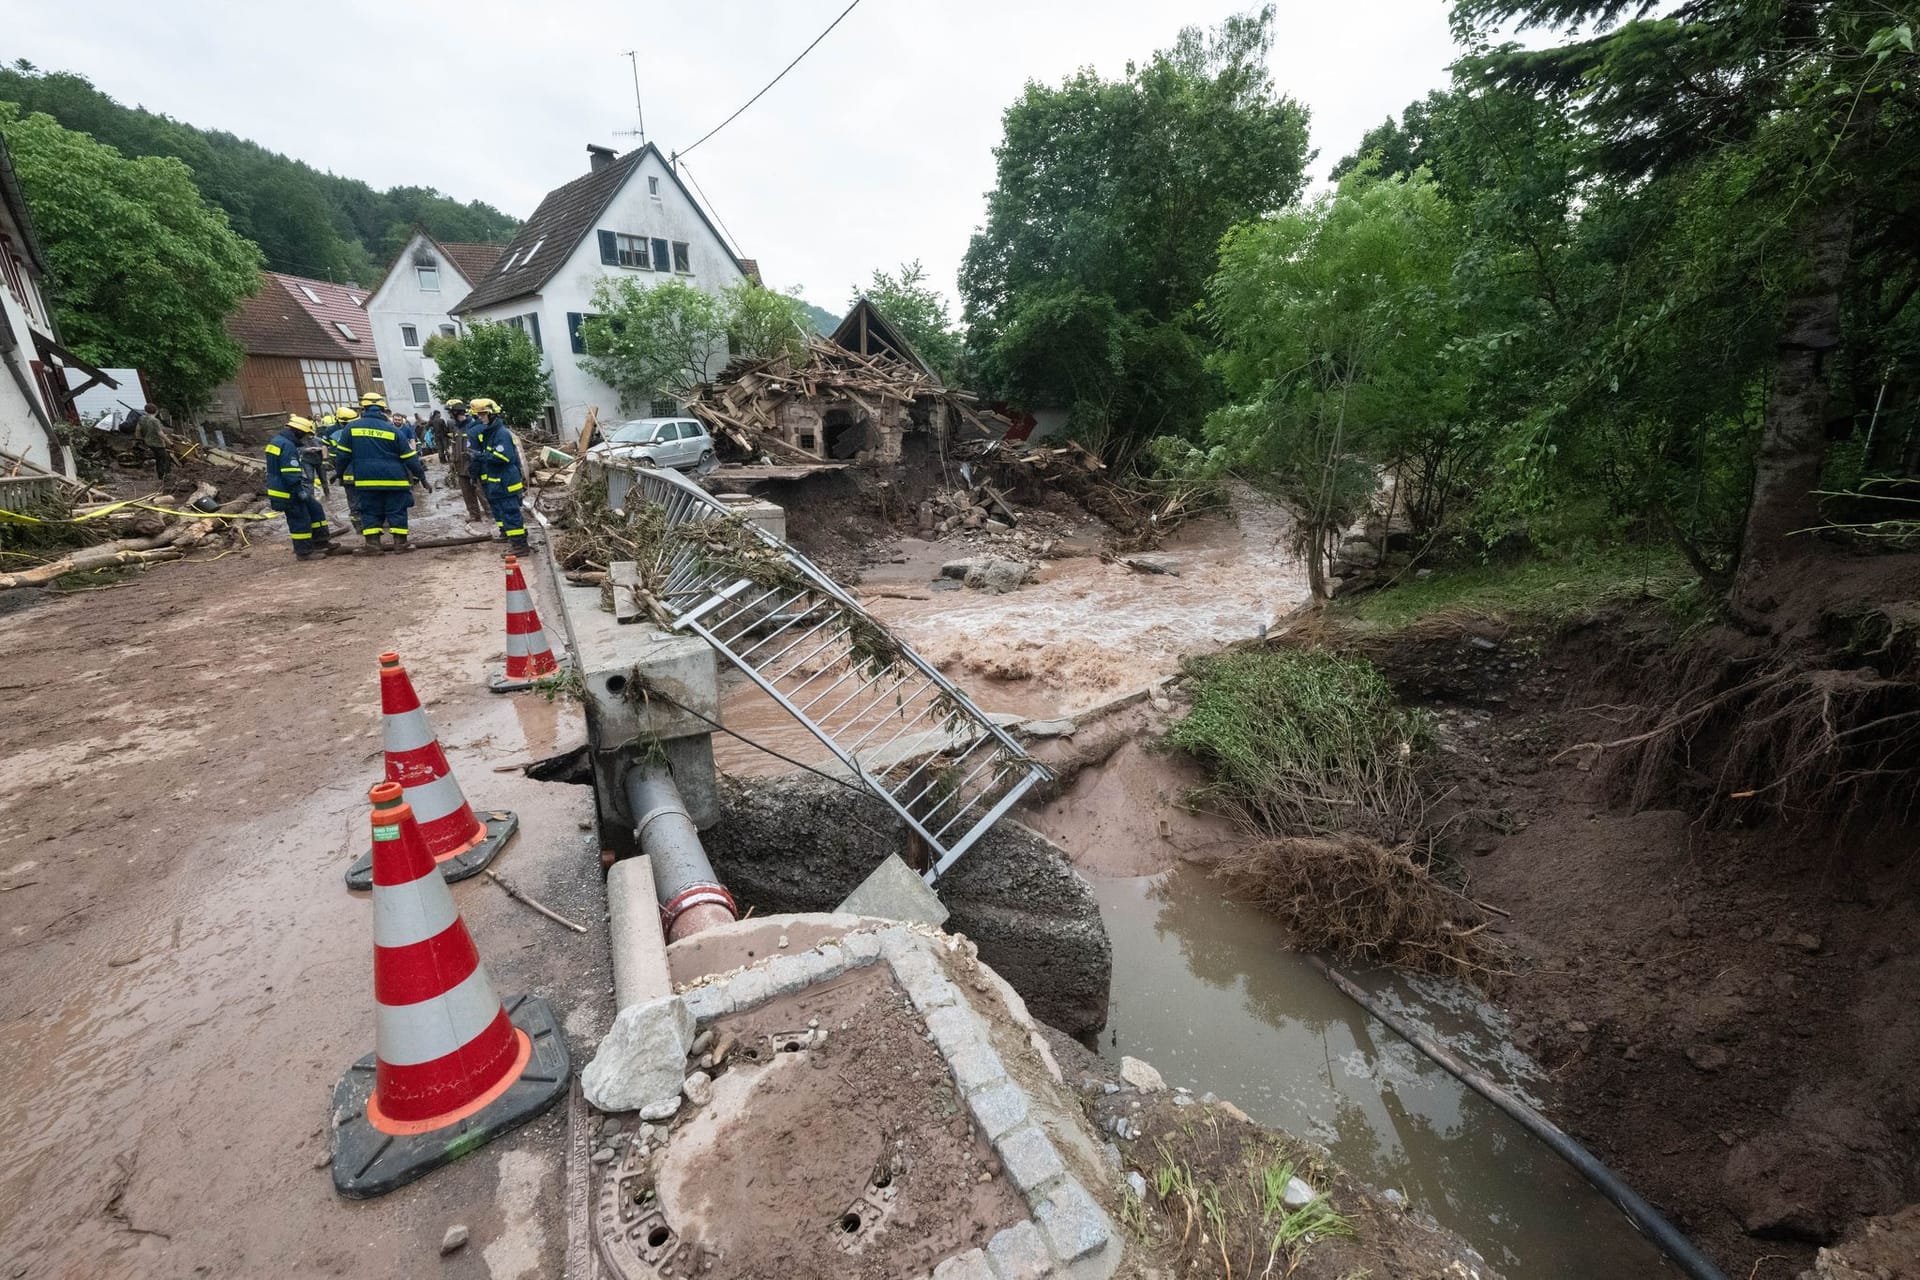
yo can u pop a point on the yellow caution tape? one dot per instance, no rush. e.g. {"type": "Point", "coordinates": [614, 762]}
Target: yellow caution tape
{"type": "Point", "coordinates": [167, 511]}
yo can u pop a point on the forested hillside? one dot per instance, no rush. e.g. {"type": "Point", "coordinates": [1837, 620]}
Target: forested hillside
{"type": "Point", "coordinates": [305, 221]}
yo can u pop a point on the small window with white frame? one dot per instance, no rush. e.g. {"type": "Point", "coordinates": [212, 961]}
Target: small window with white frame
{"type": "Point", "coordinates": [429, 278]}
{"type": "Point", "coordinates": [653, 186]}
{"type": "Point", "coordinates": [419, 387]}
{"type": "Point", "coordinates": [346, 331]}
{"type": "Point", "coordinates": [409, 336]}
{"type": "Point", "coordinates": [683, 257]}
{"type": "Point", "coordinates": [449, 331]}
{"type": "Point", "coordinates": [633, 252]}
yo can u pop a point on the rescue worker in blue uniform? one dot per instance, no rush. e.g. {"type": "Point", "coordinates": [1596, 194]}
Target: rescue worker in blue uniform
{"type": "Point", "coordinates": [380, 465]}
{"type": "Point", "coordinates": [290, 488]}
{"type": "Point", "coordinates": [340, 449]}
{"type": "Point", "coordinates": [498, 463]}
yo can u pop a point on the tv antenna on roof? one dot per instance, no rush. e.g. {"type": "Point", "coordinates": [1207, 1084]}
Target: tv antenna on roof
{"type": "Point", "coordinates": [632, 56]}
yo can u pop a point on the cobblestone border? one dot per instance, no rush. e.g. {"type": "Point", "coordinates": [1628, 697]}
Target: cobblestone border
{"type": "Point", "coordinates": [1068, 1225]}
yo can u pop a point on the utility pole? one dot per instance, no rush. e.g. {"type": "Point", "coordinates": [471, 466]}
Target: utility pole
{"type": "Point", "coordinates": [633, 57]}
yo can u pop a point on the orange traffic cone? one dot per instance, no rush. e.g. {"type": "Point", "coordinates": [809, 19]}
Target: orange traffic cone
{"type": "Point", "coordinates": [529, 656]}
{"type": "Point", "coordinates": [452, 1066]}
{"type": "Point", "coordinates": [462, 844]}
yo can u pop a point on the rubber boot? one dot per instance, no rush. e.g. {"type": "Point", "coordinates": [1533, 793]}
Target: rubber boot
{"type": "Point", "coordinates": [373, 544]}
{"type": "Point", "coordinates": [400, 542]}
{"type": "Point", "coordinates": [517, 544]}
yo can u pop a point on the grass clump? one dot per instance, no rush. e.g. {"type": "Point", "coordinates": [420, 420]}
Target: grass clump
{"type": "Point", "coordinates": [1551, 590]}
{"type": "Point", "coordinates": [1305, 742]}
{"type": "Point", "coordinates": [1310, 749]}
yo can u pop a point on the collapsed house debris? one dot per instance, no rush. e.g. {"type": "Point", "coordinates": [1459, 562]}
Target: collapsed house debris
{"type": "Point", "coordinates": [831, 403]}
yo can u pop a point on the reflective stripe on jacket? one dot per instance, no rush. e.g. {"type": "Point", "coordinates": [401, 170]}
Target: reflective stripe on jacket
{"type": "Point", "coordinates": [381, 456]}
{"type": "Point", "coordinates": [286, 472]}
{"type": "Point", "coordinates": [499, 459]}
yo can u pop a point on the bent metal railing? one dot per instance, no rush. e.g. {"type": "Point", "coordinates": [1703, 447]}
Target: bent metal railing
{"type": "Point", "coordinates": [888, 716]}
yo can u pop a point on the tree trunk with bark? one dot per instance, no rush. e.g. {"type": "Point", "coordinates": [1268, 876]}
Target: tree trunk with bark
{"type": "Point", "coordinates": [1793, 442]}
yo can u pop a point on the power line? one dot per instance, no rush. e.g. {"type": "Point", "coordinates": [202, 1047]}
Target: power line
{"type": "Point", "coordinates": [708, 200]}
{"type": "Point", "coordinates": [776, 80]}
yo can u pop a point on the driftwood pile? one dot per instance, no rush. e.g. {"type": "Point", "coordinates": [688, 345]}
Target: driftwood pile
{"type": "Point", "coordinates": [742, 406]}
{"type": "Point", "coordinates": [150, 537]}
{"type": "Point", "coordinates": [1137, 518]}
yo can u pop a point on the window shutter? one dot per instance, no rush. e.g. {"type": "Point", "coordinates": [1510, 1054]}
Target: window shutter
{"type": "Point", "coordinates": [533, 325]}
{"type": "Point", "coordinates": [609, 249]}
{"type": "Point", "coordinates": [662, 261]}
{"type": "Point", "coordinates": [576, 337]}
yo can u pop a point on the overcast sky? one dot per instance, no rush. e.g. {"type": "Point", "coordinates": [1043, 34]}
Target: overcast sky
{"type": "Point", "coordinates": [876, 149]}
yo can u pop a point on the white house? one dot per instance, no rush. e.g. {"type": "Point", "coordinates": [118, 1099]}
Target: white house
{"type": "Point", "coordinates": [35, 385]}
{"type": "Point", "coordinates": [416, 299]}
{"type": "Point", "coordinates": [629, 217]}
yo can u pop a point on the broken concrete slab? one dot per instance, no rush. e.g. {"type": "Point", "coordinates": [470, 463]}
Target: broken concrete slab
{"type": "Point", "coordinates": [643, 1060]}
{"type": "Point", "coordinates": [895, 891]}
{"type": "Point", "coordinates": [998, 577]}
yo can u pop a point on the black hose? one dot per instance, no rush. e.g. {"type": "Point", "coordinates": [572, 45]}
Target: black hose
{"type": "Point", "coordinates": [1646, 1219]}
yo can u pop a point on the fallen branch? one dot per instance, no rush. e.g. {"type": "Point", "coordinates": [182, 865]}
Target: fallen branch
{"type": "Point", "coordinates": [542, 908]}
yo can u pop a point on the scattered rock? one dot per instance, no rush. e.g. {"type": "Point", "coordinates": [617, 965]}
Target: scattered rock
{"type": "Point", "coordinates": [1141, 1075]}
{"type": "Point", "coordinates": [1708, 1057]}
{"type": "Point", "coordinates": [456, 1238]}
{"type": "Point", "coordinates": [998, 577]}
{"type": "Point", "coordinates": [1234, 1111]}
{"type": "Point", "coordinates": [698, 1088]}
{"type": "Point", "coordinates": [960, 568]}
{"type": "Point", "coordinates": [1393, 1196]}
{"type": "Point", "coordinates": [643, 1059]}
{"type": "Point", "coordinates": [1137, 1185]}
{"type": "Point", "coordinates": [1049, 728]}
{"type": "Point", "coordinates": [1577, 1028]}
{"type": "Point", "coordinates": [603, 1156]}
{"type": "Point", "coordinates": [702, 1042]}
{"type": "Point", "coordinates": [1806, 942]}
{"type": "Point", "coordinates": [1298, 1195]}
{"type": "Point", "coordinates": [661, 1110]}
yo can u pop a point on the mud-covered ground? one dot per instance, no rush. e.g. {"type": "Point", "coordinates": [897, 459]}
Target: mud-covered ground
{"type": "Point", "coordinates": [183, 974]}
{"type": "Point", "coordinates": [1727, 1017]}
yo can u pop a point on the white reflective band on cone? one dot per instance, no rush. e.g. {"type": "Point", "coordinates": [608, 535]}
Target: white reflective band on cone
{"type": "Point", "coordinates": [404, 914]}
{"type": "Point", "coordinates": [519, 602]}
{"type": "Point", "coordinates": [436, 799]}
{"type": "Point", "coordinates": [407, 730]}
{"type": "Point", "coordinates": [406, 1034]}
{"type": "Point", "coordinates": [525, 645]}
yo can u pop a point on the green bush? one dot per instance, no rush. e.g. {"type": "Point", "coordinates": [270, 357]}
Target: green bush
{"type": "Point", "coordinates": [1306, 742]}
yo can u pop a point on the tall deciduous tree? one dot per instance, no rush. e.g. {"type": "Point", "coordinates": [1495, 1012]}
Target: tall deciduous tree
{"type": "Point", "coordinates": [1109, 203]}
{"type": "Point", "coordinates": [496, 361]}
{"type": "Point", "coordinates": [1822, 99]}
{"type": "Point", "coordinates": [144, 271]}
{"type": "Point", "coordinates": [651, 342]}
{"type": "Point", "coordinates": [919, 311]}
{"type": "Point", "coordinates": [1334, 320]}
{"type": "Point", "coordinates": [762, 323]}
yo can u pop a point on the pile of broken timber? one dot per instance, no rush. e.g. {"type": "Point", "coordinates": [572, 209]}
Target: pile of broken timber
{"type": "Point", "coordinates": [742, 406]}
{"type": "Point", "coordinates": [1078, 471]}
{"type": "Point", "coordinates": [157, 538]}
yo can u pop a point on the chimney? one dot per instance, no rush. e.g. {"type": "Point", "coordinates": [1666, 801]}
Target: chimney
{"type": "Point", "coordinates": [600, 157]}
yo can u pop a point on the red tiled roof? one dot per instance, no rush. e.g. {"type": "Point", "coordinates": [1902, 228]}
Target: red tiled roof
{"type": "Point", "coordinates": [333, 305]}
{"type": "Point", "coordinates": [473, 260]}
{"type": "Point", "coordinates": [271, 323]}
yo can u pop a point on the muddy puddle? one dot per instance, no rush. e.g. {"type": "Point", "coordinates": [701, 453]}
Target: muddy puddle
{"type": "Point", "coordinates": [1206, 991]}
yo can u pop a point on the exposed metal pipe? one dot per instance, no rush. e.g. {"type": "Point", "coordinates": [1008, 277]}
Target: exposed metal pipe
{"type": "Point", "coordinates": [691, 896]}
{"type": "Point", "coordinates": [1646, 1219]}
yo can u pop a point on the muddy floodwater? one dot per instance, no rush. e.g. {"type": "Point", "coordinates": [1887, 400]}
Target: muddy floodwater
{"type": "Point", "coordinates": [1206, 990]}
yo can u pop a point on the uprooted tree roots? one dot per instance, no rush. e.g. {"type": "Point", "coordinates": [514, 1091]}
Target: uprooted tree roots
{"type": "Point", "coordinates": [1359, 900]}
{"type": "Point", "coordinates": [1832, 740]}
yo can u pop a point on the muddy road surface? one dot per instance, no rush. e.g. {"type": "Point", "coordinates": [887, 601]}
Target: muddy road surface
{"type": "Point", "coordinates": [183, 973]}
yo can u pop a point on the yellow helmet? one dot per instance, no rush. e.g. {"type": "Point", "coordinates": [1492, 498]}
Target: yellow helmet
{"type": "Point", "coordinates": [346, 413]}
{"type": "Point", "coordinates": [326, 420]}
{"type": "Point", "coordinates": [483, 405]}
{"type": "Point", "coordinates": [456, 403]}
{"type": "Point", "coordinates": [300, 424]}
{"type": "Point", "coordinates": [373, 398]}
